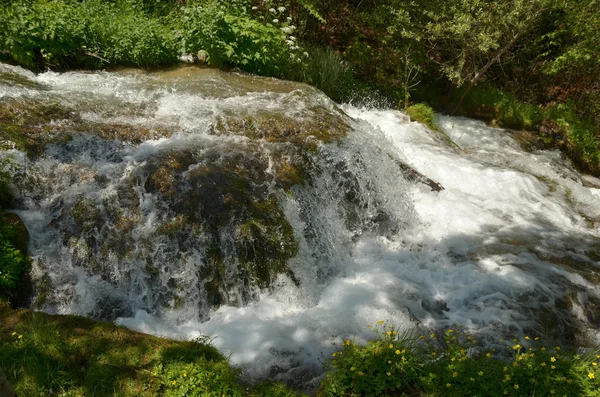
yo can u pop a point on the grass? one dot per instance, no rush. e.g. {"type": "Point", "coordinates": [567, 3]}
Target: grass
{"type": "Point", "coordinates": [74, 356]}
{"type": "Point", "coordinates": [449, 365]}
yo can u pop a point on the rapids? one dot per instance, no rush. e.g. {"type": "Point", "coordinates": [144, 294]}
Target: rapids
{"type": "Point", "coordinates": [196, 202]}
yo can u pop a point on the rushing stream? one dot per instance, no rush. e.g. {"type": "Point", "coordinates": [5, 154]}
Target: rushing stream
{"type": "Point", "coordinates": [196, 202]}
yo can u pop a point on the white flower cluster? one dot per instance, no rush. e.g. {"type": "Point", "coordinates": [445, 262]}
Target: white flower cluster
{"type": "Point", "coordinates": [279, 16]}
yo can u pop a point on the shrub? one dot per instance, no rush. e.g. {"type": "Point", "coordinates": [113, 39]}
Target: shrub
{"type": "Point", "coordinates": [94, 33]}
{"type": "Point", "coordinates": [422, 113]}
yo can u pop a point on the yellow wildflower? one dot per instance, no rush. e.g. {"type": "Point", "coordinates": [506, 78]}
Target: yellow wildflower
{"type": "Point", "coordinates": [448, 385]}
{"type": "Point", "coordinates": [174, 382]}
{"type": "Point", "coordinates": [348, 342]}
{"type": "Point", "coordinates": [20, 336]}
{"type": "Point", "coordinates": [591, 375]}
{"type": "Point", "coordinates": [333, 355]}
{"type": "Point", "coordinates": [505, 369]}
{"type": "Point", "coordinates": [351, 368]}
{"type": "Point", "coordinates": [543, 349]}
{"type": "Point", "coordinates": [516, 387]}
{"type": "Point", "coordinates": [480, 373]}
{"type": "Point", "coordinates": [517, 346]}
{"type": "Point", "coordinates": [455, 374]}
{"type": "Point", "coordinates": [432, 335]}
{"type": "Point", "coordinates": [552, 391]}
{"type": "Point", "coordinates": [553, 359]}
{"type": "Point", "coordinates": [403, 358]}
{"type": "Point", "coordinates": [360, 373]}
{"type": "Point", "coordinates": [488, 355]}
{"type": "Point", "coordinates": [380, 322]}
{"type": "Point", "coordinates": [557, 348]}
{"type": "Point", "coordinates": [388, 373]}
{"type": "Point", "coordinates": [433, 353]}
{"type": "Point", "coordinates": [184, 374]}
{"type": "Point", "coordinates": [389, 333]}
{"type": "Point", "coordinates": [391, 346]}
{"type": "Point", "coordinates": [543, 364]}
{"type": "Point", "coordinates": [505, 392]}
{"type": "Point", "coordinates": [403, 351]}
{"type": "Point", "coordinates": [537, 338]}
{"type": "Point", "coordinates": [13, 334]}
{"type": "Point", "coordinates": [389, 361]}
{"type": "Point", "coordinates": [397, 351]}
{"type": "Point", "coordinates": [472, 379]}
{"type": "Point", "coordinates": [553, 367]}
{"type": "Point", "coordinates": [594, 364]}
{"type": "Point", "coordinates": [526, 337]}
{"type": "Point", "coordinates": [452, 359]}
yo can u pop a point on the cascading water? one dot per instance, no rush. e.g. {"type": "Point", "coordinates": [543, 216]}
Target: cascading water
{"type": "Point", "coordinates": [194, 201]}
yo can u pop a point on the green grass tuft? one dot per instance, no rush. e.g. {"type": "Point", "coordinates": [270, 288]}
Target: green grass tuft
{"type": "Point", "coordinates": [422, 113]}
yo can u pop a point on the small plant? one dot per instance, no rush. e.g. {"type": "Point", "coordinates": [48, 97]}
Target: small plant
{"type": "Point", "coordinates": [389, 363]}
{"type": "Point", "coordinates": [422, 113]}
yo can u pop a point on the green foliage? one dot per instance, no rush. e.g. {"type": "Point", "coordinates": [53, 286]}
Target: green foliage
{"type": "Point", "coordinates": [504, 108]}
{"type": "Point", "coordinates": [94, 33]}
{"type": "Point", "coordinates": [327, 71]}
{"type": "Point", "coordinates": [580, 139]}
{"type": "Point", "coordinates": [422, 113]}
{"type": "Point", "coordinates": [74, 356]}
{"type": "Point", "coordinates": [12, 261]}
{"type": "Point", "coordinates": [233, 40]}
{"type": "Point", "coordinates": [448, 366]}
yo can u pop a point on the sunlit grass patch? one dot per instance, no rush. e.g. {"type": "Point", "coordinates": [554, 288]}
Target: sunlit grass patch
{"type": "Point", "coordinates": [73, 356]}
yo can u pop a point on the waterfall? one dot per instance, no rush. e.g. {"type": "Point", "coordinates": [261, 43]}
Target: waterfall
{"type": "Point", "coordinates": [197, 202]}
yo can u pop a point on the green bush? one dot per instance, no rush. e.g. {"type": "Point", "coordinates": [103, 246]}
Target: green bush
{"type": "Point", "coordinates": [94, 33]}
{"type": "Point", "coordinates": [422, 113]}
{"type": "Point", "coordinates": [231, 39]}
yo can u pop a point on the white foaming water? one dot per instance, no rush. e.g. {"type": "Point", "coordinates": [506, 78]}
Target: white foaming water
{"type": "Point", "coordinates": [511, 244]}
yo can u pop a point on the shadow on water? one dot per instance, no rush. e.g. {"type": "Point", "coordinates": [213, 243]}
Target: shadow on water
{"type": "Point", "coordinates": [540, 278]}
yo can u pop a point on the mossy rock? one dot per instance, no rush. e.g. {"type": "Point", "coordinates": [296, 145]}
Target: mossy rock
{"type": "Point", "coordinates": [218, 192]}
{"type": "Point", "coordinates": [12, 79]}
{"type": "Point", "coordinates": [86, 214]}
{"type": "Point", "coordinates": [31, 125]}
{"type": "Point", "coordinates": [320, 125]}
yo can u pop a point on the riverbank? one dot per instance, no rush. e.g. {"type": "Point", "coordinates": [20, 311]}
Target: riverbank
{"type": "Point", "coordinates": [44, 355]}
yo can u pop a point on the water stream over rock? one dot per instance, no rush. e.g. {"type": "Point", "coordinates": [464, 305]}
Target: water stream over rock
{"type": "Point", "coordinates": [194, 201]}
